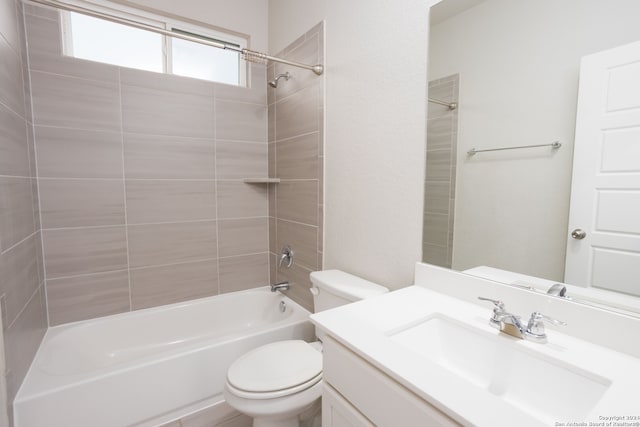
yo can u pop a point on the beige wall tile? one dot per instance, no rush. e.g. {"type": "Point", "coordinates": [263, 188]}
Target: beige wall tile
{"type": "Point", "coordinates": [273, 192]}
{"type": "Point", "coordinates": [320, 181]}
{"type": "Point", "coordinates": [159, 244]}
{"type": "Point", "coordinates": [70, 252]}
{"type": "Point", "coordinates": [14, 148]}
{"type": "Point", "coordinates": [76, 153]}
{"type": "Point", "coordinates": [305, 52]}
{"type": "Point", "coordinates": [272, 159]}
{"type": "Point", "coordinates": [244, 272]}
{"type": "Point", "coordinates": [299, 282]}
{"type": "Point", "coordinates": [168, 157]}
{"type": "Point", "coordinates": [40, 257]}
{"type": "Point", "coordinates": [297, 114]}
{"type": "Point", "coordinates": [435, 229]}
{"type": "Point", "coordinates": [160, 112]}
{"type": "Point", "coordinates": [298, 201]}
{"type": "Point", "coordinates": [11, 88]}
{"type": "Point", "coordinates": [243, 236]}
{"type": "Point", "coordinates": [173, 283]}
{"type": "Point", "coordinates": [436, 197]}
{"type": "Point", "coordinates": [169, 201]}
{"type": "Point", "coordinates": [256, 93]}
{"type": "Point", "coordinates": [81, 202]}
{"type": "Point", "coordinates": [85, 297]}
{"type": "Point", "coordinates": [439, 133]}
{"type": "Point", "coordinates": [271, 92]}
{"type": "Point", "coordinates": [237, 199]}
{"type": "Point", "coordinates": [16, 211]}
{"type": "Point", "coordinates": [271, 123]}
{"type": "Point", "coordinates": [438, 165]}
{"type": "Point", "coordinates": [320, 230]}
{"type": "Point", "coordinates": [75, 103]}
{"type": "Point", "coordinates": [273, 235]}
{"type": "Point", "coordinates": [238, 160]}
{"type": "Point", "coordinates": [22, 339]}
{"type": "Point", "coordinates": [9, 24]}
{"type": "Point", "coordinates": [434, 254]}
{"type": "Point", "coordinates": [302, 239]}
{"type": "Point", "coordinates": [239, 121]}
{"type": "Point", "coordinates": [273, 268]}
{"type": "Point", "coordinates": [297, 158]}
{"type": "Point", "coordinates": [20, 277]}
{"type": "Point", "coordinates": [166, 82]}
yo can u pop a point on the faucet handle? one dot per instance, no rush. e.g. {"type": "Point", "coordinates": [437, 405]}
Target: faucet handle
{"type": "Point", "coordinates": [499, 305]}
{"type": "Point", "coordinates": [535, 327]}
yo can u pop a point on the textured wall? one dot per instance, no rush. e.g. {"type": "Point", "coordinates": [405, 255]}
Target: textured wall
{"type": "Point", "coordinates": [296, 156]}
{"type": "Point", "coordinates": [375, 131]}
{"type": "Point", "coordinates": [21, 273]}
{"type": "Point", "coordinates": [140, 178]}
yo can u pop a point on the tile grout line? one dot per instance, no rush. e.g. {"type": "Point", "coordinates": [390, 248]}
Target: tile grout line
{"type": "Point", "coordinates": [215, 184]}
{"type": "Point", "coordinates": [37, 174]}
{"type": "Point", "coordinates": [124, 192]}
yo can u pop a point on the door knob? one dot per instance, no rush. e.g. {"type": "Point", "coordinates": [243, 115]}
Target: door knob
{"type": "Point", "coordinates": [578, 234]}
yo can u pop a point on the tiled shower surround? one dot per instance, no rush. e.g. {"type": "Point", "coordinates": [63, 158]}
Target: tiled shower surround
{"type": "Point", "coordinates": [22, 297]}
{"type": "Point", "coordinates": [440, 181]}
{"type": "Point", "coordinates": [123, 189]}
{"type": "Point", "coordinates": [140, 178]}
{"type": "Point", "coordinates": [296, 156]}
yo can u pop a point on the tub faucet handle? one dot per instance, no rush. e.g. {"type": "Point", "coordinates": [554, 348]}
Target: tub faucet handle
{"type": "Point", "coordinates": [286, 256]}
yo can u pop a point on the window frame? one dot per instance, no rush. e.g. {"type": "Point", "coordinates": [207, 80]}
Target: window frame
{"type": "Point", "coordinates": [158, 21]}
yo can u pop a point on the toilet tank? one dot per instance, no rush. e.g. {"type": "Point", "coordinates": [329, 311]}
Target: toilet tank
{"type": "Point", "coordinates": [333, 288]}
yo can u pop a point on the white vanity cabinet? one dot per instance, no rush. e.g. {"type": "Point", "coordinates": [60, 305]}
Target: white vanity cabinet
{"type": "Point", "coordinates": [357, 394]}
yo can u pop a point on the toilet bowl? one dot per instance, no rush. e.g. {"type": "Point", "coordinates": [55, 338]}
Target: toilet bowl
{"type": "Point", "coordinates": [278, 382]}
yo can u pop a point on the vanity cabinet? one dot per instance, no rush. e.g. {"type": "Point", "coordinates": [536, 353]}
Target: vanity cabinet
{"type": "Point", "coordinates": [357, 394]}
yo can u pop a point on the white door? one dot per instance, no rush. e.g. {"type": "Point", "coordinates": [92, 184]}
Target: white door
{"type": "Point", "coordinates": [605, 192]}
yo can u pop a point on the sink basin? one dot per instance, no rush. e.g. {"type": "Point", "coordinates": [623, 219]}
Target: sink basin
{"type": "Point", "coordinates": [546, 388]}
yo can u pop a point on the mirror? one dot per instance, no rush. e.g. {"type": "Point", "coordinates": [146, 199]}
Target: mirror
{"type": "Point", "coordinates": [512, 68]}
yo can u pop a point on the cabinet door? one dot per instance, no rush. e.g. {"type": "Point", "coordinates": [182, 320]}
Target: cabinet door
{"type": "Point", "coordinates": [337, 412]}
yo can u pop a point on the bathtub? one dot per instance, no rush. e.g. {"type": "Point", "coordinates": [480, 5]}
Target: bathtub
{"type": "Point", "coordinates": [148, 367]}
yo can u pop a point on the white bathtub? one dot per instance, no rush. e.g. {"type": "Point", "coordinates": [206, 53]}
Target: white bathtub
{"type": "Point", "coordinates": [144, 367]}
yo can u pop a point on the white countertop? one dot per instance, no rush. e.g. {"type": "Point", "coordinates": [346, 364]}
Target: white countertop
{"type": "Point", "coordinates": [366, 328]}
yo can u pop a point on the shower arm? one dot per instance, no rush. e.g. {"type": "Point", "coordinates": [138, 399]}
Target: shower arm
{"type": "Point", "coordinates": [247, 54]}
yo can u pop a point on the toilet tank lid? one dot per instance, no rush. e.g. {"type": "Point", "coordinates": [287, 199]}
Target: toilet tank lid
{"type": "Point", "coordinates": [346, 285]}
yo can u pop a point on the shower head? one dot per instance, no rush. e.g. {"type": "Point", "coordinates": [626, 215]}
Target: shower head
{"type": "Point", "coordinates": [274, 83]}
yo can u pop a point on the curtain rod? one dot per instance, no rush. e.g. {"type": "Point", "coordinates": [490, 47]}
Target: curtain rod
{"type": "Point", "coordinates": [247, 54]}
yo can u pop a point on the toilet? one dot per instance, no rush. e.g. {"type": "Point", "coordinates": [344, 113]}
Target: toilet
{"type": "Point", "coordinates": [278, 383]}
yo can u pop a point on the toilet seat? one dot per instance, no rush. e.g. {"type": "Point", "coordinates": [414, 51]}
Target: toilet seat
{"type": "Point", "coordinates": [275, 370]}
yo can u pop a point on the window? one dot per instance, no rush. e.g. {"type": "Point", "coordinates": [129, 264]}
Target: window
{"type": "Point", "coordinates": [99, 40]}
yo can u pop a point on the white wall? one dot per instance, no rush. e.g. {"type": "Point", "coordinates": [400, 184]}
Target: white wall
{"type": "Point", "coordinates": [376, 55]}
{"type": "Point", "coordinates": [519, 66]}
{"type": "Point", "coordinates": [248, 17]}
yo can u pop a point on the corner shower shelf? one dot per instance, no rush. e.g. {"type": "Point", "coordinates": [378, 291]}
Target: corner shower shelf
{"type": "Point", "coordinates": [261, 180]}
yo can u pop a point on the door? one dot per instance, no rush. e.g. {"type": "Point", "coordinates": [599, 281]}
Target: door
{"type": "Point", "coordinates": [605, 192]}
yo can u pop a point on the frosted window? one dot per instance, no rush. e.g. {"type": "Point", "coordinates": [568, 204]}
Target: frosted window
{"type": "Point", "coordinates": [104, 41]}
{"type": "Point", "coordinates": [205, 62]}
{"type": "Point", "coordinates": [99, 40]}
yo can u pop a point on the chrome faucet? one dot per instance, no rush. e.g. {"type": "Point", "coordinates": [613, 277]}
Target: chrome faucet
{"type": "Point", "coordinates": [282, 286]}
{"type": "Point", "coordinates": [513, 325]}
{"type": "Point", "coordinates": [558, 290]}
{"type": "Point", "coordinates": [286, 255]}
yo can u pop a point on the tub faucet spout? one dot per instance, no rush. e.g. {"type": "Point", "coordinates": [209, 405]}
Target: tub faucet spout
{"type": "Point", "coordinates": [282, 286]}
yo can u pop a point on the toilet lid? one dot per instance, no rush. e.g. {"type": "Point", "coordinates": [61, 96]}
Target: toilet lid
{"type": "Point", "coordinates": [276, 366]}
